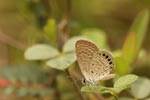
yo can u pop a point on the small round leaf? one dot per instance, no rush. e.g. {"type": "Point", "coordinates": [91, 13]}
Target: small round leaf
{"type": "Point", "coordinates": [126, 80]}
{"type": "Point", "coordinates": [22, 91]}
{"type": "Point", "coordinates": [97, 36]}
{"type": "Point", "coordinates": [141, 88]}
{"type": "Point", "coordinates": [63, 61]}
{"type": "Point", "coordinates": [96, 89]}
{"type": "Point", "coordinates": [125, 98]}
{"type": "Point", "coordinates": [40, 52]}
{"type": "Point", "coordinates": [9, 90]}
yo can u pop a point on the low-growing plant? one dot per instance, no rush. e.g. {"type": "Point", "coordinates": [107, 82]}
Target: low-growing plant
{"type": "Point", "coordinates": [57, 58]}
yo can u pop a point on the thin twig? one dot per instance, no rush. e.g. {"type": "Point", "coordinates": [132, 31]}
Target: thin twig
{"type": "Point", "coordinates": [11, 41]}
{"type": "Point", "coordinates": [99, 97]}
{"type": "Point", "coordinates": [63, 29]}
{"type": "Point", "coordinates": [68, 8]}
{"type": "Point", "coordinates": [55, 85]}
{"type": "Point", "coordinates": [63, 26]}
{"type": "Point", "coordinates": [115, 98]}
{"type": "Point", "coordinates": [74, 84]}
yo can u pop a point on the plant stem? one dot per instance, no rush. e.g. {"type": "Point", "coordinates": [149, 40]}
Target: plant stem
{"type": "Point", "coordinates": [63, 29]}
{"type": "Point", "coordinates": [99, 97]}
{"type": "Point", "coordinates": [76, 87]}
{"type": "Point", "coordinates": [115, 97]}
{"type": "Point", "coordinates": [55, 85]}
{"type": "Point", "coordinates": [63, 26]}
{"type": "Point", "coordinates": [4, 38]}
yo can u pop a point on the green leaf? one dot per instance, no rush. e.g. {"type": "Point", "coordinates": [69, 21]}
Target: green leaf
{"type": "Point", "coordinates": [62, 62]}
{"type": "Point", "coordinates": [129, 48]}
{"type": "Point", "coordinates": [9, 73]}
{"type": "Point", "coordinates": [116, 53]}
{"type": "Point", "coordinates": [96, 89]}
{"type": "Point", "coordinates": [45, 92]}
{"type": "Point", "coordinates": [69, 46]}
{"type": "Point", "coordinates": [33, 91]}
{"type": "Point", "coordinates": [140, 26]}
{"type": "Point", "coordinates": [141, 88]}
{"type": "Point", "coordinates": [50, 29]}
{"type": "Point", "coordinates": [40, 52]}
{"type": "Point", "coordinates": [9, 90]}
{"type": "Point", "coordinates": [125, 98]}
{"type": "Point", "coordinates": [125, 81]}
{"type": "Point", "coordinates": [121, 66]}
{"type": "Point", "coordinates": [135, 37]}
{"type": "Point", "coordinates": [22, 91]}
{"type": "Point", "coordinates": [102, 89]}
{"type": "Point", "coordinates": [97, 36]}
{"type": "Point", "coordinates": [117, 90]}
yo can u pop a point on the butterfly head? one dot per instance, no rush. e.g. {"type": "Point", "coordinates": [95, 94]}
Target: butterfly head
{"type": "Point", "coordinates": [86, 82]}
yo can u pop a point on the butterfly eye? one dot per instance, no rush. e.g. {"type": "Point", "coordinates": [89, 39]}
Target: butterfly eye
{"type": "Point", "coordinates": [84, 81]}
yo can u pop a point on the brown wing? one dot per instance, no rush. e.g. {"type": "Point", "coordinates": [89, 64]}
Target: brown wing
{"type": "Point", "coordinates": [95, 65]}
{"type": "Point", "coordinates": [102, 66]}
{"type": "Point", "coordinates": [85, 52]}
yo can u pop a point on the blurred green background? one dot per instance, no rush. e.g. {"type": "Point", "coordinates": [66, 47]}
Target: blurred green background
{"type": "Point", "coordinates": [24, 23]}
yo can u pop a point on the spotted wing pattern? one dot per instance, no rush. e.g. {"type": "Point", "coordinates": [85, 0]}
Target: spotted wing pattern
{"type": "Point", "coordinates": [95, 65]}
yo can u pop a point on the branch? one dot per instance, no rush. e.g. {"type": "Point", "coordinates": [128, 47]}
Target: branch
{"type": "Point", "coordinates": [11, 41]}
{"type": "Point", "coordinates": [63, 29]}
{"type": "Point", "coordinates": [74, 84]}
{"type": "Point", "coordinates": [99, 97]}
{"type": "Point", "coordinates": [63, 26]}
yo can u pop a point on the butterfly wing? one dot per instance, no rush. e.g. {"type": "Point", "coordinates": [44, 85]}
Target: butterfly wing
{"type": "Point", "coordinates": [85, 51]}
{"type": "Point", "coordinates": [102, 66]}
{"type": "Point", "coordinates": [95, 65]}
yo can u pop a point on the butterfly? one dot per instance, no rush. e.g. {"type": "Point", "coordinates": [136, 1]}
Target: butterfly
{"type": "Point", "coordinates": [94, 64]}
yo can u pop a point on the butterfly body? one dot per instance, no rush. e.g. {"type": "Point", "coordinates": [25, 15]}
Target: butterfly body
{"type": "Point", "coordinates": [95, 65]}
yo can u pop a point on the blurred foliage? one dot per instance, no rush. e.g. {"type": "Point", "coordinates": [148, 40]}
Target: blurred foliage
{"type": "Point", "coordinates": [143, 89]}
{"type": "Point", "coordinates": [34, 53]}
{"type": "Point", "coordinates": [25, 79]}
{"type": "Point", "coordinates": [50, 30]}
{"type": "Point", "coordinates": [45, 77]}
